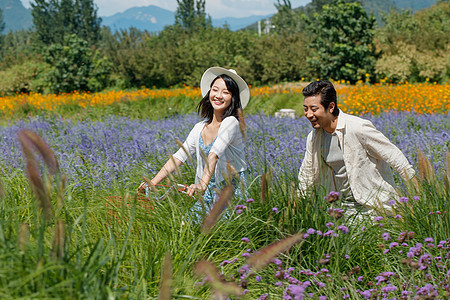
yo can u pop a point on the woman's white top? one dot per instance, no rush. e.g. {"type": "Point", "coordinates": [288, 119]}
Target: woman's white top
{"type": "Point", "coordinates": [228, 146]}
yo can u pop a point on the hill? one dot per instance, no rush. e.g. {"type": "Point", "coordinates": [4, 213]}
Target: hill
{"type": "Point", "coordinates": [15, 15]}
{"type": "Point", "coordinates": [153, 19]}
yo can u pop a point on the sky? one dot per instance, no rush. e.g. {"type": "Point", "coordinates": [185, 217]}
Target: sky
{"type": "Point", "coordinates": [215, 8]}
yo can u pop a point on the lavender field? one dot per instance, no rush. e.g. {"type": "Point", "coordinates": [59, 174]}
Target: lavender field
{"type": "Point", "coordinates": [121, 149]}
{"type": "Point", "coordinates": [90, 249]}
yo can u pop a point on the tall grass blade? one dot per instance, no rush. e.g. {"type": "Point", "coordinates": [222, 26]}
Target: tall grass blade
{"type": "Point", "coordinates": [180, 144]}
{"type": "Point", "coordinates": [242, 125]}
{"type": "Point", "coordinates": [221, 289]}
{"type": "Point", "coordinates": [426, 169]}
{"type": "Point", "coordinates": [59, 241]}
{"type": "Point", "coordinates": [24, 233]}
{"type": "Point", "coordinates": [218, 208]}
{"type": "Point", "coordinates": [166, 282]}
{"type": "Point", "coordinates": [42, 147]}
{"type": "Point", "coordinates": [268, 253]}
{"type": "Point", "coordinates": [264, 186]}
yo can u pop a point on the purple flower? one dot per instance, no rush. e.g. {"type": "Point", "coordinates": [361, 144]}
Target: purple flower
{"type": "Point", "coordinates": [245, 240]}
{"type": "Point", "coordinates": [389, 288]}
{"type": "Point", "coordinates": [378, 218]}
{"type": "Point", "coordinates": [428, 240]}
{"type": "Point", "coordinates": [238, 211]}
{"type": "Point", "coordinates": [322, 297]}
{"type": "Point", "coordinates": [391, 202]}
{"type": "Point", "coordinates": [329, 232]}
{"type": "Point", "coordinates": [250, 200]}
{"type": "Point", "coordinates": [258, 278]}
{"type": "Point", "coordinates": [264, 297]}
{"type": "Point", "coordinates": [416, 198]}
{"type": "Point", "coordinates": [311, 231]}
{"type": "Point", "coordinates": [343, 228]}
{"type": "Point", "coordinates": [319, 232]}
{"type": "Point", "coordinates": [347, 256]}
{"type": "Point", "coordinates": [386, 236]}
{"type": "Point", "coordinates": [277, 261]}
{"type": "Point", "coordinates": [278, 283]}
{"type": "Point", "coordinates": [329, 224]}
{"type": "Point", "coordinates": [297, 291]}
{"type": "Point", "coordinates": [398, 217]}
{"type": "Point", "coordinates": [404, 199]}
{"type": "Point", "coordinates": [275, 210]}
{"type": "Point", "coordinates": [332, 197]}
{"type": "Point", "coordinates": [392, 245]}
{"type": "Point", "coordinates": [246, 254]}
{"type": "Point", "coordinates": [360, 278]}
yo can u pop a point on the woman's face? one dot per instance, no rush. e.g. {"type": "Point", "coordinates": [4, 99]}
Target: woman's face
{"type": "Point", "coordinates": [220, 96]}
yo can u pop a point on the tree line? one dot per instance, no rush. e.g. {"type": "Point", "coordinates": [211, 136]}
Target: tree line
{"type": "Point", "coordinates": [68, 49]}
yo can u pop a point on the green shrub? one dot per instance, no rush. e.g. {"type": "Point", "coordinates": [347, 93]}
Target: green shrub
{"type": "Point", "coordinates": [24, 78]}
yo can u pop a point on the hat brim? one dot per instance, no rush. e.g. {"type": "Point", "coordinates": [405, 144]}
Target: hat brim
{"type": "Point", "coordinates": [212, 73]}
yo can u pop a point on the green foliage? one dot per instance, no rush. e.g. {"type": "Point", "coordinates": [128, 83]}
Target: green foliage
{"type": "Point", "coordinates": [103, 242]}
{"type": "Point", "coordinates": [415, 46]}
{"type": "Point", "coordinates": [16, 48]}
{"type": "Point", "coordinates": [71, 65]}
{"type": "Point", "coordinates": [100, 75]}
{"type": "Point", "coordinates": [287, 20]}
{"type": "Point", "coordinates": [54, 20]}
{"type": "Point", "coordinates": [27, 77]}
{"type": "Point", "coordinates": [342, 42]}
{"type": "Point", "coordinates": [191, 15]}
{"type": "Point", "coordinates": [2, 23]}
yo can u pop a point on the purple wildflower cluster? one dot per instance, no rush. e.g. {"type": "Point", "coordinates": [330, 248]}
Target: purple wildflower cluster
{"type": "Point", "coordinates": [293, 283]}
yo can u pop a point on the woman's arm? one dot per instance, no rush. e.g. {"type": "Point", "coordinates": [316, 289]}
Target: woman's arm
{"type": "Point", "coordinates": [169, 167]}
{"type": "Point", "coordinates": [208, 172]}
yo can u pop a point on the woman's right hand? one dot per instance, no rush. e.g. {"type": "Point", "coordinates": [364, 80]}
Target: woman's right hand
{"type": "Point", "coordinates": [143, 186]}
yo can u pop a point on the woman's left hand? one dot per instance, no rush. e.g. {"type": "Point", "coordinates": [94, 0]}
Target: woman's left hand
{"type": "Point", "coordinates": [195, 189]}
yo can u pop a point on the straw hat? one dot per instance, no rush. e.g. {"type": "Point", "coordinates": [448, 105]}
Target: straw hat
{"type": "Point", "coordinates": [212, 73]}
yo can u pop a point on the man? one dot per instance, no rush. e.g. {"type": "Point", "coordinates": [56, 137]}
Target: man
{"type": "Point", "coordinates": [348, 154]}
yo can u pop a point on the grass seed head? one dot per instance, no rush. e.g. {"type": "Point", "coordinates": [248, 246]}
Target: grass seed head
{"type": "Point", "coordinates": [268, 253]}
{"type": "Point", "coordinates": [166, 282]}
{"type": "Point", "coordinates": [218, 207]}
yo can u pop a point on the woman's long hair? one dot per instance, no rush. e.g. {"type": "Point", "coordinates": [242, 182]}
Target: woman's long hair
{"type": "Point", "coordinates": [205, 109]}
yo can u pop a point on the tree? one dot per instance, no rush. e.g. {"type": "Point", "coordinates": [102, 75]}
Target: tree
{"type": "Point", "coordinates": [56, 19]}
{"type": "Point", "coordinates": [2, 23]}
{"type": "Point", "coordinates": [191, 15]}
{"type": "Point", "coordinates": [287, 20]}
{"type": "Point", "coordinates": [71, 65]}
{"type": "Point", "coordinates": [342, 42]}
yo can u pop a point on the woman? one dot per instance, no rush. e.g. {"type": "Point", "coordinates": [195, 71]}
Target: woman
{"type": "Point", "coordinates": [217, 140]}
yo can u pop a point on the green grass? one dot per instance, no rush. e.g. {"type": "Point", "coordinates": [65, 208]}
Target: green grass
{"type": "Point", "coordinates": [118, 251]}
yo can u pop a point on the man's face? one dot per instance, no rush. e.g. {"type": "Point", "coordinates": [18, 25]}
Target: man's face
{"type": "Point", "coordinates": [317, 114]}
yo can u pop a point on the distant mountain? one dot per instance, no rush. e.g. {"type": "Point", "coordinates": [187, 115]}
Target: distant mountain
{"type": "Point", "coordinates": [414, 4]}
{"type": "Point", "coordinates": [153, 18]}
{"type": "Point", "coordinates": [238, 23]}
{"type": "Point", "coordinates": [15, 15]}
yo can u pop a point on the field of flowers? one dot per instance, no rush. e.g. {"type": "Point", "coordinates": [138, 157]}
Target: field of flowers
{"type": "Point", "coordinates": [90, 247]}
{"type": "Point", "coordinates": [63, 236]}
{"type": "Point", "coordinates": [422, 98]}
